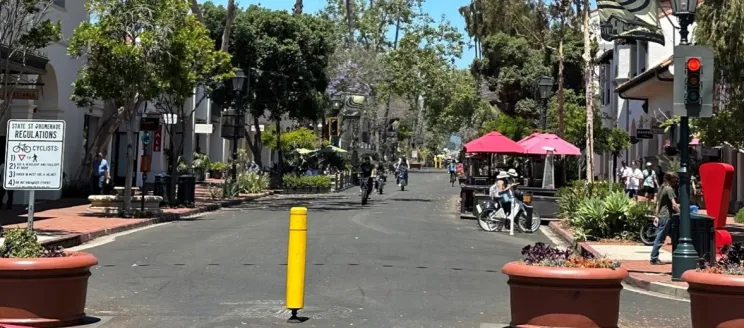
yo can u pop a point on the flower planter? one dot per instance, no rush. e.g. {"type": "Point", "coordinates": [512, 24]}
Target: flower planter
{"type": "Point", "coordinates": [45, 292]}
{"type": "Point", "coordinates": [564, 297]}
{"type": "Point", "coordinates": [716, 300]}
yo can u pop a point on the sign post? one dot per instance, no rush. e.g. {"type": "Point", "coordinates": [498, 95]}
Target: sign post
{"type": "Point", "coordinates": [34, 158]}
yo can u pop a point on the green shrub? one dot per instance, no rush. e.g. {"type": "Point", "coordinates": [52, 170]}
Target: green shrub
{"type": "Point", "coordinates": [612, 216]}
{"type": "Point", "coordinates": [23, 243]}
{"type": "Point", "coordinates": [292, 181]}
{"type": "Point", "coordinates": [252, 183]}
{"type": "Point", "coordinates": [739, 218]}
{"type": "Point", "coordinates": [570, 197]}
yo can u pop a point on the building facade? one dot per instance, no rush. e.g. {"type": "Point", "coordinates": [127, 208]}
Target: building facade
{"type": "Point", "coordinates": [52, 89]}
{"type": "Point", "coordinates": [637, 82]}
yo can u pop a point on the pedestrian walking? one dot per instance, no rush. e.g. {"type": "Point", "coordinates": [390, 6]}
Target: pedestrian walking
{"type": "Point", "coordinates": [666, 205]}
{"type": "Point", "coordinates": [3, 192]}
{"type": "Point", "coordinates": [650, 183]}
{"type": "Point", "coordinates": [101, 174]}
{"type": "Point", "coordinates": [632, 177]}
{"type": "Point", "coordinates": [620, 172]}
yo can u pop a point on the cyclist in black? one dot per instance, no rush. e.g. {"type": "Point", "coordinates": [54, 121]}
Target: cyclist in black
{"type": "Point", "coordinates": [365, 172]}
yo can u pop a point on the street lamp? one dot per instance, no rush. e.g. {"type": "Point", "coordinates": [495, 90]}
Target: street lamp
{"type": "Point", "coordinates": [545, 86]}
{"type": "Point", "coordinates": [337, 101]}
{"type": "Point", "coordinates": [684, 257]}
{"type": "Point", "coordinates": [237, 81]}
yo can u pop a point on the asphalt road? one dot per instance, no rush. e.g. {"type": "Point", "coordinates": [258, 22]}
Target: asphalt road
{"type": "Point", "coordinates": [405, 260]}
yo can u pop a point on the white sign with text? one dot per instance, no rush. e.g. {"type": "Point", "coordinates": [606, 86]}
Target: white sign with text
{"type": "Point", "coordinates": [34, 155]}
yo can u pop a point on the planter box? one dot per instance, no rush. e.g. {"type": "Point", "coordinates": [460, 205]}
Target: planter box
{"type": "Point", "coordinates": [716, 300]}
{"type": "Point", "coordinates": [564, 297]}
{"type": "Point", "coordinates": [45, 292]}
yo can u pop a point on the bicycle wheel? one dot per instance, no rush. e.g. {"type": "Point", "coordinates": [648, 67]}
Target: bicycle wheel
{"type": "Point", "coordinates": [487, 224]}
{"type": "Point", "coordinates": [648, 234]}
{"type": "Point", "coordinates": [522, 222]}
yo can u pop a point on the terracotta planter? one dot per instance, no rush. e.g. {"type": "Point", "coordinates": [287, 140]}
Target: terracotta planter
{"type": "Point", "coordinates": [44, 292]}
{"type": "Point", "coordinates": [564, 297]}
{"type": "Point", "coordinates": [716, 300]}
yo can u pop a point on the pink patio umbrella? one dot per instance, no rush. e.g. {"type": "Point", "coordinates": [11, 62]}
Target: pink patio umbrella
{"type": "Point", "coordinates": [537, 143]}
{"type": "Point", "coordinates": [494, 143]}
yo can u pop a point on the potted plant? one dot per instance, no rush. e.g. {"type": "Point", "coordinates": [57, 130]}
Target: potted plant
{"type": "Point", "coordinates": [201, 164]}
{"type": "Point", "coordinates": [217, 169]}
{"type": "Point", "coordinates": [557, 288]}
{"type": "Point", "coordinates": [41, 287]}
{"type": "Point", "coordinates": [717, 290]}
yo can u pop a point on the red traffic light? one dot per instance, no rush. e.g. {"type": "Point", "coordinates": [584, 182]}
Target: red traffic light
{"type": "Point", "coordinates": [693, 64]}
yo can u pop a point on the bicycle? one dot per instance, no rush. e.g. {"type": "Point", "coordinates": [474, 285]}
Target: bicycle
{"type": "Point", "coordinates": [453, 177]}
{"type": "Point", "coordinates": [21, 147]}
{"type": "Point", "coordinates": [364, 184]}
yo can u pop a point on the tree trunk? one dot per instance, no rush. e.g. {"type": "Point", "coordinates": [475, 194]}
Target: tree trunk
{"type": "Point", "coordinates": [386, 114]}
{"type": "Point", "coordinates": [228, 25]}
{"type": "Point", "coordinates": [106, 129]}
{"type": "Point", "coordinates": [230, 17]}
{"type": "Point", "coordinates": [588, 79]}
{"type": "Point", "coordinates": [350, 20]}
{"type": "Point", "coordinates": [561, 59]}
{"type": "Point", "coordinates": [298, 7]}
{"type": "Point", "coordinates": [279, 142]}
{"type": "Point", "coordinates": [129, 176]}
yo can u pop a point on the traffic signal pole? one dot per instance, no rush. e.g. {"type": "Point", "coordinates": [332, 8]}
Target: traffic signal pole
{"type": "Point", "coordinates": [693, 97]}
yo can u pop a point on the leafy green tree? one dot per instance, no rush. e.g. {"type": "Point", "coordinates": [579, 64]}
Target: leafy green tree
{"type": "Point", "coordinates": [298, 138]}
{"type": "Point", "coordinates": [25, 31]}
{"type": "Point", "coordinates": [138, 42]}
{"type": "Point", "coordinates": [719, 26]}
{"type": "Point", "coordinates": [514, 127]}
{"type": "Point", "coordinates": [285, 57]}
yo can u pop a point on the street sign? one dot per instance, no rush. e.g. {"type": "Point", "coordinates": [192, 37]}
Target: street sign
{"type": "Point", "coordinates": [157, 143]}
{"type": "Point", "coordinates": [34, 155]}
{"type": "Point", "coordinates": [203, 128]}
{"type": "Point", "coordinates": [149, 123]}
{"type": "Point", "coordinates": [658, 130]}
{"type": "Point", "coordinates": [644, 134]}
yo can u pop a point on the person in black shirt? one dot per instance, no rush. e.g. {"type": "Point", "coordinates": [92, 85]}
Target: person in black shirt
{"type": "Point", "coordinates": [365, 172]}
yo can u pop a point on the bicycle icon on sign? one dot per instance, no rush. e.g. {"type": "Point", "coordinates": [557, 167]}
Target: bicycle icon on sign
{"type": "Point", "coordinates": [21, 148]}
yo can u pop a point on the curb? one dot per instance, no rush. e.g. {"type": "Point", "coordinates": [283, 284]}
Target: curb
{"type": "Point", "coordinates": [82, 238]}
{"type": "Point", "coordinates": [651, 286]}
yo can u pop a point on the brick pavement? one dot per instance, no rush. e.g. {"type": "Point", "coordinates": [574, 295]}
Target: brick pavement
{"type": "Point", "coordinates": [67, 223]}
{"type": "Point", "coordinates": [656, 278]}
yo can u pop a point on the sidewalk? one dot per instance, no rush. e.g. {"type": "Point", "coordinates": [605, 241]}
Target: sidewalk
{"type": "Point", "coordinates": [635, 257]}
{"type": "Point", "coordinates": [67, 223]}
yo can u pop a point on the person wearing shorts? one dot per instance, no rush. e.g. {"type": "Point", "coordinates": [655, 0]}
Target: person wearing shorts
{"type": "Point", "coordinates": [649, 182]}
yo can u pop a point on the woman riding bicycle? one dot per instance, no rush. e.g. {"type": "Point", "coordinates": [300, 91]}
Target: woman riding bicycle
{"type": "Point", "coordinates": [452, 168]}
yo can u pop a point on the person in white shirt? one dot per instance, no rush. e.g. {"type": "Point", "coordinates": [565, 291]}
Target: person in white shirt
{"type": "Point", "coordinates": [632, 176]}
{"type": "Point", "coordinates": [9, 204]}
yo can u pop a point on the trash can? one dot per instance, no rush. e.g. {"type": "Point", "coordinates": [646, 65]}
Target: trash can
{"type": "Point", "coordinates": [162, 188]}
{"type": "Point", "coordinates": [702, 232]}
{"type": "Point", "coordinates": [158, 186]}
{"type": "Point", "coordinates": [186, 189]}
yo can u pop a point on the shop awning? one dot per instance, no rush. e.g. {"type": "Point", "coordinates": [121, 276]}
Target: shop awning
{"type": "Point", "coordinates": [495, 143]}
{"type": "Point", "coordinates": [537, 143]}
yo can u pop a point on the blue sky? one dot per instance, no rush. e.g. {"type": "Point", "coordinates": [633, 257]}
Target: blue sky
{"type": "Point", "coordinates": [435, 8]}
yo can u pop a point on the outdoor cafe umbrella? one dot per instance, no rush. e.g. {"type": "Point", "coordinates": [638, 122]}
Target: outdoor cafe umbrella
{"type": "Point", "coordinates": [304, 151]}
{"type": "Point", "coordinates": [494, 143]}
{"type": "Point", "coordinates": [537, 143]}
{"type": "Point", "coordinates": [332, 149]}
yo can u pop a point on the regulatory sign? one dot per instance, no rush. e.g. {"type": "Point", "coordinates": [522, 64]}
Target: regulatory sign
{"type": "Point", "coordinates": [34, 153]}
{"type": "Point", "coordinates": [644, 134]}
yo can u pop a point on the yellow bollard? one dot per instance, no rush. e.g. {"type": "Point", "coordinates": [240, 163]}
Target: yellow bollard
{"type": "Point", "coordinates": [296, 251]}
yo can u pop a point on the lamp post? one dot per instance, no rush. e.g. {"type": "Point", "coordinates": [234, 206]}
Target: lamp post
{"type": "Point", "coordinates": [237, 81]}
{"type": "Point", "coordinates": [337, 103]}
{"type": "Point", "coordinates": [684, 257]}
{"type": "Point", "coordinates": [545, 86]}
